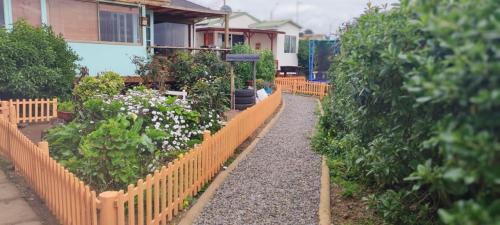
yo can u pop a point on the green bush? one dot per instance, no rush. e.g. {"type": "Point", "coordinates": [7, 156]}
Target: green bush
{"type": "Point", "coordinates": [266, 69]}
{"type": "Point", "coordinates": [108, 83]}
{"type": "Point", "coordinates": [206, 78]}
{"type": "Point", "coordinates": [415, 111]}
{"type": "Point", "coordinates": [35, 63]}
{"type": "Point", "coordinates": [112, 150]}
{"type": "Point", "coordinates": [66, 106]}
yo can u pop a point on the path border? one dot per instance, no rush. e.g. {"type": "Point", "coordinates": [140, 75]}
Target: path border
{"type": "Point", "coordinates": [325, 213]}
{"type": "Point", "coordinates": [198, 207]}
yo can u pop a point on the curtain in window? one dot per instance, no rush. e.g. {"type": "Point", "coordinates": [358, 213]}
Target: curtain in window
{"type": "Point", "coordinates": [75, 20]}
{"type": "Point", "coordinates": [2, 18]}
{"type": "Point", "coordinates": [171, 34]}
{"type": "Point", "coordinates": [290, 44]}
{"type": "Point", "coordinates": [30, 10]}
{"type": "Point", "coordinates": [119, 23]}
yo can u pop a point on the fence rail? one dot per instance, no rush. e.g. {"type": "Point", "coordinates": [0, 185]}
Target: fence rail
{"type": "Point", "coordinates": [34, 110]}
{"type": "Point", "coordinates": [68, 198]}
{"type": "Point", "coordinates": [302, 86]}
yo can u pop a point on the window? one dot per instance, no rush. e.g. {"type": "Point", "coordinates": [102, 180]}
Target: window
{"type": "Point", "coordinates": [30, 10]}
{"type": "Point", "coordinates": [75, 20]}
{"type": "Point", "coordinates": [119, 23]}
{"type": "Point", "coordinates": [2, 18]}
{"type": "Point", "coordinates": [290, 44]}
{"type": "Point", "coordinates": [78, 21]}
{"type": "Point", "coordinates": [171, 34]}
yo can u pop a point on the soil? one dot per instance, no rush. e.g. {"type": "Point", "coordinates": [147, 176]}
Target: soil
{"type": "Point", "coordinates": [350, 210]}
{"type": "Point", "coordinates": [33, 200]}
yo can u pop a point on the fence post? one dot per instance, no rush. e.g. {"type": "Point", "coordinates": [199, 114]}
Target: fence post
{"type": "Point", "coordinates": [12, 114]}
{"type": "Point", "coordinates": [294, 88]}
{"type": "Point", "coordinates": [206, 135]}
{"type": "Point", "coordinates": [54, 109]}
{"type": "Point", "coordinates": [44, 146]}
{"type": "Point", "coordinates": [108, 208]}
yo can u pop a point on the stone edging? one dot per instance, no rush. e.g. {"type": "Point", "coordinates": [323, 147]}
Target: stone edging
{"type": "Point", "coordinates": [197, 208]}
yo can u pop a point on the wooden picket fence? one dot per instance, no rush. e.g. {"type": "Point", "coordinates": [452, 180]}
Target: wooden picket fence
{"type": "Point", "coordinates": [67, 197]}
{"type": "Point", "coordinates": [302, 86]}
{"type": "Point", "coordinates": [155, 200]}
{"type": "Point", "coordinates": [161, 196]}
{"type": "Point", "coordinates": [35, 110]}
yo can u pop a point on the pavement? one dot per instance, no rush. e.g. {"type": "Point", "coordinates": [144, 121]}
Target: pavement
{"type": "Point", "coordinates": [14, 209]}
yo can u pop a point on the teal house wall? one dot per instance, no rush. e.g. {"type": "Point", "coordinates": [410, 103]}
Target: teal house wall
{"type": "Point", "coordinates": [98, 57]}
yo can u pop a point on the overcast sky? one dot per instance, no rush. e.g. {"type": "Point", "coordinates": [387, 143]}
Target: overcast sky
{"type": "Point", "coordinates": [322, 16]}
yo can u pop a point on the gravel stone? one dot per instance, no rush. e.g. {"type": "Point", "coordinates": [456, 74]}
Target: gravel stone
{"type": "Point", "coordinates": [279, 181]}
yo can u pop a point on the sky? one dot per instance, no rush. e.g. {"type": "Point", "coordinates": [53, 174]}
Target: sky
{"type": "Point", "coordinates": [321, 16]}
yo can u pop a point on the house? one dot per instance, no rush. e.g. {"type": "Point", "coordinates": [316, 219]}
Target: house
{"type": "Point", "coordinates": [108, 34]}
{"type": "Point", "coordinates": [279, 36]}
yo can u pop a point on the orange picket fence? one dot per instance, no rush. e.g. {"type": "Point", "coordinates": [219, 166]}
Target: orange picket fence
{"type": "Point", "coordinates": [162, 195]}
{"type": "Point", "coordinates": [302, 86]}
{"type": "Point", "coordinates": [68, 198]}
{"type": "Point", "coordinates": [35, 110]}
{"type": "Point", "coordinates": [155, 200]}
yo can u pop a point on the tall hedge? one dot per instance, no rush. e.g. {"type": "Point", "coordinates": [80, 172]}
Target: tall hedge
{"type": "Point", "coordinates": [415, 112]}
{"type": "Point", "coordinates": [35, 63]}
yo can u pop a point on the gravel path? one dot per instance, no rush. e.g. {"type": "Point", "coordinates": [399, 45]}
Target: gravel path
{"type": "Point", "coordinates": [279, 181]}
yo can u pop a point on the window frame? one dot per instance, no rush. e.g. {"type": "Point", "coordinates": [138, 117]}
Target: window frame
{"type": "Point", "coordinates": [139, 30]}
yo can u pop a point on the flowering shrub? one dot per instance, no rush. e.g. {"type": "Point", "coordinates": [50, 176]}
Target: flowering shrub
{"type": "Point", "coordinates": [141, 126]}
{"type": "Point", "coordinates": [175, 124]}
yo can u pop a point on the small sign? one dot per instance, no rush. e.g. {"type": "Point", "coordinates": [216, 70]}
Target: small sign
{"type": "Point", "coordinates": [242, 57]}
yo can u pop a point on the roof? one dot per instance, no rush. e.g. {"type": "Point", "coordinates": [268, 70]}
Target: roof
{"type": "Point", "coordinates": [273, 24]}
{"type": "Point", "coordinates": [220, 21]}
{"type": "Point", "coordinates": [184, 9]}
{"type": "Point", "coordinates": [249, 30]}
{"type": "Point", "coordinates": [187, 4]}
{"type": "Point", "coordinates": [149, 2]}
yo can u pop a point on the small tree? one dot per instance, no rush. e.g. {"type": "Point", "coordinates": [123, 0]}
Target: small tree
{"type": "Point", "coordinates": [35, 63]}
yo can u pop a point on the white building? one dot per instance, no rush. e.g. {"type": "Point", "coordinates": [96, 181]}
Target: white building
{"type": "Point", "coordinates": [279, 36]}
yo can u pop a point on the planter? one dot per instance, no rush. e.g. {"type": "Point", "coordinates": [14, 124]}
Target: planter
{"type": "Point", "coordinates": [66, 116]}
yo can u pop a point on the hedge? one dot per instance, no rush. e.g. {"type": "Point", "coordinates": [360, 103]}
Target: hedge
{"type": "Point", "coordinates": [414, 114]}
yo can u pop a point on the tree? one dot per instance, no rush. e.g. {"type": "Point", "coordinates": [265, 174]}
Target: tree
{"type": "Point", "coordinates": [35, 63]}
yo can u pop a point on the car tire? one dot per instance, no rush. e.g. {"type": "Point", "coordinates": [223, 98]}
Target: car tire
{"type": "Point", "coordinates": [242, 106]}
{"type": "Point", "coordinates": [244, 100]}
{"type": "Point", "coordinates": [244, 93]}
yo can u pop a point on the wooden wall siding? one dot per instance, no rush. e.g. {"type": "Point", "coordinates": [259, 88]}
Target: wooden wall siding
{"type": "Point", "coordinates": [302, 86]}
{"type": "Point", "coordinates": [69, 199]}
{"type": "Point", "coordinates": [35, 110]}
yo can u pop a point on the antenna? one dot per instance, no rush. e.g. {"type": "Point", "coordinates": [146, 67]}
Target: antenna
{"type": "Point", "coordinates": [273, 9]}
{"type": "Point", "coordinates": [298, 12]}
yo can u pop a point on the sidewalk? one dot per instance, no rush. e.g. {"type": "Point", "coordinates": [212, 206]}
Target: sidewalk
{"type": "Point", "coordinates": [14, 210]}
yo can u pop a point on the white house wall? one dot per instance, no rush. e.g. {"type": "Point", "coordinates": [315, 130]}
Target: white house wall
{"type": "Point", "coordinates": [287, 59]}
{"type": "Point", "coordinates": [242, 21]}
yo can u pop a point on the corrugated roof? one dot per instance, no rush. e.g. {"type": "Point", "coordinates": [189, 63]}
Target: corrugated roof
{"type": "Point", "coordinates": [187, 4]}
{"type": "Point", "coordinates": [273, 24]}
